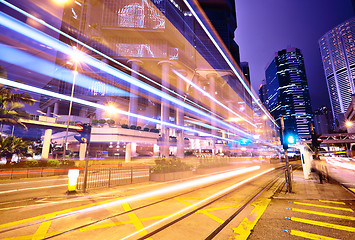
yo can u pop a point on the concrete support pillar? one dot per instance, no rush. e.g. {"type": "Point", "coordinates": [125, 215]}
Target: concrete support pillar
{"type": "Point", "coordinates": [128, 155]}
{"type": "Point", "coordinates": [83, 112]}
{"type": "Point", "coordinates": [164, 111]}
{"type": "Point", "coordinates": [155, 150]}
{"type": "Point", "coordinates": [46, 143]}
{"type": "Point", "coordinates": [133, 149]}
{"type": "Point", "coordinates": [82, 151]}
{"type": "Point", "coordinates": [133, 98]}
{"type": "Point", "coordinates": [212, 79]}
{"type": "Point", "coordinates": [56, 108]}
{"type": "Point", "coordinates": [49, 112]}
{"type": "Point", "coordinates": [306, 158]}
{"type": "Point", "coordinates": [180, 119]}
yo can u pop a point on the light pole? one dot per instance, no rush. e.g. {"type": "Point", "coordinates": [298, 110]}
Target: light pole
{"type": "Point", "coordinates": [285, 144]}
{"type": "Point", "coordinates": [76, 59]}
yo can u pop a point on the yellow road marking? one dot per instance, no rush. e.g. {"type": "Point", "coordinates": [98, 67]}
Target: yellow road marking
{"type": "Point", "coordinates": [203, 211]}
{"type": "Point", "coordinates": [310, 235]}
{"type": "Point", "coordinates": [135, 220]}
{"type": "Point", "coordinates": [335, 202]}
{"type": "Point", "coordinates": [43, 228]}
{"type": "Point", "coordinates": [324, 206]}
{"type": "Point", "coordinates": [324, 224]}
{"type": "Point", "coordinates": [243, 230]}
{"type": "Point", "coordinates": [10, 224]}
{"type": "Point", "coordinates": [324, 214]}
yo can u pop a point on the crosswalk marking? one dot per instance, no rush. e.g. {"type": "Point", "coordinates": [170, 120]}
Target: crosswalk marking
{"type": "Point", "coordinates": [324, 214]}
{"type": "Point", "coordinates": [310, 235]}
{"type": "Point", "coordinates": [324, 206]}
{"type": "Point", "coordinates": [323, 224]}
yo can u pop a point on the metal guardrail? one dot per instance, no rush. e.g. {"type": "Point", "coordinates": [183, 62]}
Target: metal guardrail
{"type": "Point", "coordinates": [108, 177]}
{"type": "Point", "coordinates": [14, 173]}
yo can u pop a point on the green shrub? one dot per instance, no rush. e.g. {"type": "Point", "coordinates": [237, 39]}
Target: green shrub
{"type": "Point", "coordinates": [102, 121]}
{"type": "Point", "coordinates": [169, 165]}
{"type": "Point", "coordinates": [67, 163]}
{"type": "Point", "coordinates": [32, 163]}
{"type": "Point", "coordinates": [110, 122]}
{"type": "Point", "coordinates": [53, 163]}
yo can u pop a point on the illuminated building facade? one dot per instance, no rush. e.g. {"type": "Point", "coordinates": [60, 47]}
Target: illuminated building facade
{"type": "Point", "coordinates": [152, 65]}
{"type": "Point", "coordinates": [338, 55]}
{"type": "Point", "coordinates": [321, 120]}
{"type": "Point", "coordinates": [263, 94]}
{"type": "Point", "coordinates": [222, 15]}
{"type": "Point", "coordinates": [287, 91]}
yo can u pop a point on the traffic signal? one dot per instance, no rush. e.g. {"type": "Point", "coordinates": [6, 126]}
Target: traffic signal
{"type": "Point", "coordinates": [85, 133]}
{"type": "Point", "coordinates": [287, 139]}
{"type": "Point", "coordinates": [315, 142]}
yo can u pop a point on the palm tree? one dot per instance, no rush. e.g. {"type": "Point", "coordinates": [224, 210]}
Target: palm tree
{"type": "Point", "coordinates": [11, 106]}
{"type": "Point", "coordinates": [13, 145]}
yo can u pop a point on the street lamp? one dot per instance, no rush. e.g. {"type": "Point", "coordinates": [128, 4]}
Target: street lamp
{"type": "Point", "coordinates": [60, 2]}
{"type": "Point", "coordinates": [348, 123]}
{"type": "Point", "coordinates": [76, 57]}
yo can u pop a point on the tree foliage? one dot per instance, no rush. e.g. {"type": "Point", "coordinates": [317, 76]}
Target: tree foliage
{"type": "Point", "coordinates": [13, 145]}
{"type": "Point", "coordinates": [11, 106]}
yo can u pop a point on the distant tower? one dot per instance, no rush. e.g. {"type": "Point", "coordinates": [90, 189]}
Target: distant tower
{"type": "Point", "coordinates": [263, 94]}
{"type": "Point", "coordinates": [222, 15]}
{"type": "Point", "coordinates": [322, 120]}
{"type": "Point", "coordinates": [245, 69]}
{"type": "Point", "coordinates": [287, 91]}
{"type": "Point", "coordinates": [338, 55]}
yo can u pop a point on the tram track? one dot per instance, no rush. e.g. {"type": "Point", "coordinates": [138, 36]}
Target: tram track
{"type": "Point", "coordinates": [171, 223]}
{"type": "Point", "coordinates": [226, 222]}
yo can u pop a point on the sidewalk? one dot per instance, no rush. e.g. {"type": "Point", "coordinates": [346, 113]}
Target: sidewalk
{"type": "Point", "coordinates": [311, 211]}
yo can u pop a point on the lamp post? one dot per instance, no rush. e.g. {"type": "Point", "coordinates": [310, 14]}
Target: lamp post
{"type": "Point", "coordinates": [75, 58]}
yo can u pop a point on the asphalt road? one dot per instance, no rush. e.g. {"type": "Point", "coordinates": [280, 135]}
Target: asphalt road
{"type": "Point", "coordinates": [131, 211]}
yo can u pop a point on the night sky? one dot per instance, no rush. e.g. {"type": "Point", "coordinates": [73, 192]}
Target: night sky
{"type": "Point", "coordinates": [267, 26]}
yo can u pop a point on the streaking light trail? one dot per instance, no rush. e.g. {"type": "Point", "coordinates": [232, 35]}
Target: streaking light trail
{"type": "Point", "coordinates": [195, 205]}
{"type": "Point", "coordinates": [44, 67]}
{"type": "Point", "coordinates": [163, 191]}
{"type": "Point", "coordinates": [210, 97]}
{"type": "Point", "coordinates": [101, 54]}
{"type": "Point", "coordinates": [55, 44]}
{"type": "Point", "coordinates": [228, 61]}
{"type": "Point", "coordinates": [96, 105]}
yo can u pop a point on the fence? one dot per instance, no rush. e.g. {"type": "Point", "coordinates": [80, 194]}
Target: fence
{"type": "Point", "coordinates": [108, 177]}
{"type": "Point", "coordinates": [12, 173]}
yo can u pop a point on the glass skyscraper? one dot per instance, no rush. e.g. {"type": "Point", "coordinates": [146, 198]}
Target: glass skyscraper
{"type": "Point", "coordinates": [337, 48]}
{"type": "Point", "coordinates": [287, 91]}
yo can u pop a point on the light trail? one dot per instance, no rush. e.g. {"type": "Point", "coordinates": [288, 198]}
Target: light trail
{"type": "Point", "coordinates": [228, 61]}
{"type": "Point", "coordinates": [209, 96]}
{"type": "Point", "coordinates": [195, 205]}
{"type": "Point", "coordinates": [338, 162]}
{"type": "Point", "coordinates": [96, 105]}
{"type": "Point", "coordinates": [102, 54]}
{"type": "Point", "coordinates": [33, 63]}
{"type": "Point", "coordinates": [160, 192]}
{"type": "Point", "coordinates": [40, 37]}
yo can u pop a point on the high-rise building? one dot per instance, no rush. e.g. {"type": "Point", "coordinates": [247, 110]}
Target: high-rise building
{"type": "Point", "coordinates": [263, 94]}
{"type": "Point", "coordinates": [287, 91]}
{"type": "Point", "coordinates": [338, 55]}
{"type": "Point", "coordinates": [244, 66]}
{"type": "Point", "coordinates": [222, 15]}
{"type": "Point", "coordinates": [322, 120]}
